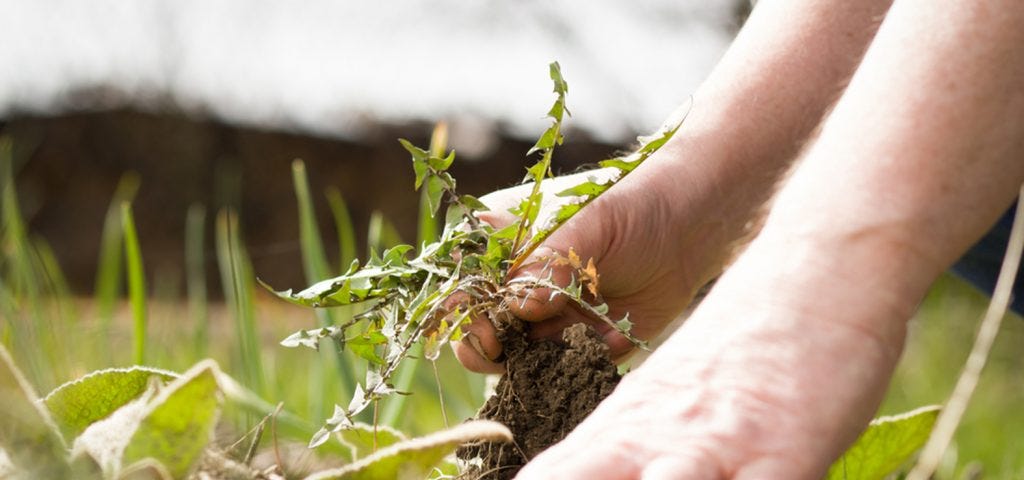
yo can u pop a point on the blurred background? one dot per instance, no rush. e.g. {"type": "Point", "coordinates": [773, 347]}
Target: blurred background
{"type": "Point", "coordinates": [190, 109]}
{"type": "Point", "coordinates": [210, 101]}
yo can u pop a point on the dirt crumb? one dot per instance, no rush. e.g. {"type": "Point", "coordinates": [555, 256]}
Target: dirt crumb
{"type": "Point", "coordinates": [548, 389]}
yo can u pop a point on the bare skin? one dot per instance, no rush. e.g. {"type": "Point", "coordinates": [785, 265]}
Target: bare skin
{"type": "Point", "coordinates": [785, 361]}
{"type": "Point", "coordinates": [690, 203]}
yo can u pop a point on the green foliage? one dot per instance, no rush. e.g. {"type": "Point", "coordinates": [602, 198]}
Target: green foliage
{"type": "Point", "coordinates": [415, 459]}
{"type": "Point", "coordinates": [401, 291]}
{"type": "Point", "coordinates": [124, 423]}
{"type": "Point", "coordinates": [178, 423]}
{"type": "Point", "coordinates": [109, 272]}
{"type": "Point", "coordinates": [27, 433]}
{"type": "Point", "coordinates": [329, 375]}
{"type": "Point", "coordinates": [365, 439]}
{"type": "Point", "coordinates": [79, 403]}
{"type": "Point", "coordinates": [237, 284]}
{"type": "Point", "coordinates": [887, 444]}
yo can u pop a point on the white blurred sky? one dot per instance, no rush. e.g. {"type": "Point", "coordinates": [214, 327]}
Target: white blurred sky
{"type": "Point", "coordinates": [325, 66]}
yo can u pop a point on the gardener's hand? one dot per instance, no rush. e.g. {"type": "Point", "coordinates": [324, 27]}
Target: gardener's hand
{"type": "Point", "coordinates": [747, 389]}
{"type": "Point", "coordinates": [785, 361]}
{"type": "Point", "coordinates": [671, 225]}
{"type": "Point", "coordinates": [621, 241]}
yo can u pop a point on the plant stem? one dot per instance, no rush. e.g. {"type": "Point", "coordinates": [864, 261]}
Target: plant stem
{"type": "Point", "coordinates": [951, 415]}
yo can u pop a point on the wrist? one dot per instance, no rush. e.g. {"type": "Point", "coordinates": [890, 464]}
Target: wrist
{"type": "Point", "coordinates": [708, 185]}
{"type": "Point", "coordinates": [867, 282]}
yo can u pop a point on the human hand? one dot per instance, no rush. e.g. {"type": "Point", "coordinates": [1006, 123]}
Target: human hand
{"type": "Point", "coordinates": [649, 263]}
{"type": "Point", "coordinates": [751, 387]}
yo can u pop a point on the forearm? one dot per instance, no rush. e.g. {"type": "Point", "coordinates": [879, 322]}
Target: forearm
{"type": "Point", "coordinates": [922, 154]}
{"type": "Point", "coordinates": [919, 157]}
{"type": "Point", "coordinates": [753, 113]}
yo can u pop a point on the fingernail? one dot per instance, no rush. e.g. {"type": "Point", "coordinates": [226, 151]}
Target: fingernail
{"type": "Point", "coordinates": [474, 342]}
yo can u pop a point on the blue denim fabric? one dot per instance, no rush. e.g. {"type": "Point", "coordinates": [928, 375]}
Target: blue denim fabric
{"type": "Point", "coordinates": [980, 265]}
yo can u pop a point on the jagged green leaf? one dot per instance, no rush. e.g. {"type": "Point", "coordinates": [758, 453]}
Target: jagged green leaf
{"type": "Point", "coordinates": [311, 338]}
{"type": "Point", "coordinates": [590, 188]}
{"type": "Point", "coordinates": [623, 164]}
{"type": "Point", "coordinates": [414, 459]}
{"type": "Point", "coordinates": [624, 325]}
{"type": "Point", "coordinates": [419, 161]}
{"type": "Point", "coordinates": [435, 190]}
{"type": "Point", "coordinates": [887, 444]}
{"type": "Point", "coordinates": [338, 422]}
{"type": "Point", "coordinates": [79, 403]}
{"type": "Point", "coordinates": [472, 203]}
{"type": "Point", "coordinates": [547, 140]}
{"type": "Point", "coordinates": [560, 85]}
{"type": "Point", "coordinates": [441, 164]}
{"type": "Point", "coordinates": [365, 346]}
{"type": "Point", "coordinates": [178, 424]}
{"type": "Point", "coordinates": [28, 435]}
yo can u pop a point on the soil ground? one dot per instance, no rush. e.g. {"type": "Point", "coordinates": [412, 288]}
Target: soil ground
{"type": "Point", "coordinates": [548, 389]}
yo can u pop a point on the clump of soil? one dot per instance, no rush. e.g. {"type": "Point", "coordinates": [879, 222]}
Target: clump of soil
{"type": "Point", "coordinates": [547, 390]}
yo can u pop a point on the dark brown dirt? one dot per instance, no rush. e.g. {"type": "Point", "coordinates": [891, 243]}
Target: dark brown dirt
{"type": "Point", "coordinates": [549, 388]}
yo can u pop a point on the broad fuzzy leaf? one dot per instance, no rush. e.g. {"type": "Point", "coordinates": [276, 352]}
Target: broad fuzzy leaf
{"type": "Point", "coordinates": [178, 424]}
{"type": "Point", "coordinates": [887, 443]}
{"type": "Point", "coordinates": [414, 459]}
{"type": "Point", "coordinates": [146, 469]}
{"type": "Point", "coordinates": [27, 433]}
{"type": "Point", "coordinates": [364, 439]}
{"type": "Point", "coordinates": [79, 403]}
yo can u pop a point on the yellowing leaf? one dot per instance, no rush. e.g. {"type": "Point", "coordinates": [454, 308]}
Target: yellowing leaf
{"type": "Point", "coordinates": [590, 277]}
{"type": "Point", "coordinates": [887, 443]}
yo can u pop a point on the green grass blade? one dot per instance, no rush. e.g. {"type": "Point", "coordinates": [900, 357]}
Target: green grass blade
{"type": "Point", "coordinates": [381, 234]}
{"type": "Point", "coordinates": [109, 270]}
{"type": "Point", "coordinates": [136, 284]}
{"type": "Point", "coordinates": [24, 319]}
{"type": "Point", "coordinates": [324, 389]}
{"type": "Point", "coordinates": [59, 314]}
{"type": "Point", "coordinates": [346, 230]}
{"type": "Point", "coordinates": [314, 260]}
{"type": "Point", "coordinates": [237, 283]}
{"type": "Point", "coordinates": [195, 277]}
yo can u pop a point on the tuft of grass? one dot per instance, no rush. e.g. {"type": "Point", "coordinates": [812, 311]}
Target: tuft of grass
{"type": "Point", "coordinates": [237, 283]}
{"type": "Point", "coordinates": [329, 376]}
{"type": "Point", "coordinates": [109, 272]}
